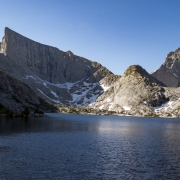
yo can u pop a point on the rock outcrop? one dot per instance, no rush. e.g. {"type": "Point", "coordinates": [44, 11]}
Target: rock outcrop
{"type": "Point", "coordinates": [169, 72]}
{"type": "Point", "coordinates": [136, 92]}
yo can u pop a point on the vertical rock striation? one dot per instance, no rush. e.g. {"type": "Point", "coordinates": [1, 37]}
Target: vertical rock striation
{"type": "Point", "coordinates": [47, 62]}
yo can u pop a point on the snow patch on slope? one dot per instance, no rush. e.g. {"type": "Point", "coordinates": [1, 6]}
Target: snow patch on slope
{"type": "Point", "coordinates": [105, 88]}
{"type": "Point", "coordinates": [110, 107]}
{"type": "Point", "coordinates": [56, 101]}
{"type": "Point", "coordinates": [175, 75]}
{"type": "Point", "coordinates": [164, 107]}
{"type": "Point", "coordinates": [90, 100]}
{"type": "Point", "coordinates": [101, 107]}
{"type": "Point", "coordinates": [126, 108]}
{"type": "Point", "coordinates": [30, 77]}
{"type": "Point", "coordinates": [84, 94]}
{"type": "Point", "coordinates": [67, 85]}
{"type": "Point", "coordinates": [52, 92]}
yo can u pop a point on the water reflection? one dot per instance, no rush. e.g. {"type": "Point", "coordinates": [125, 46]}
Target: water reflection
{"type": "Point", "coordinates": [89, 147]}
{"type": "Point", "coordinates": [45, 124]}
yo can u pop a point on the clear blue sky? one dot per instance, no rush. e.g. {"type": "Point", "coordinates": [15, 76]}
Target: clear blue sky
{"type": "Point", "coordinates": [115, 33]}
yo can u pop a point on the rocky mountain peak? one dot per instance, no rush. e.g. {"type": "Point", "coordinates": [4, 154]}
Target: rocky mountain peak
{"type": "Point", "coordinates": [135, 92]}
{"type": "Point", "coordinates": [137, 72]}
{"type": "Point", "coordinates": [69, 53]}
{"type": "Point", "coordinates": [172, 57]}
{"type": "Point", "coordinates": [135, 69]}
{"type": "Point", "coordinates": [169, 72]}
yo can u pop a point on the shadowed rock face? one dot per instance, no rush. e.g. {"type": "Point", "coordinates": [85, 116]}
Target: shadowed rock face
{"type": "Point", "coordinates": [47, 62]}
{"type": "Point", "coordinates": [169, 72]}
{"type": "Point", "coordinates": [16, 94]}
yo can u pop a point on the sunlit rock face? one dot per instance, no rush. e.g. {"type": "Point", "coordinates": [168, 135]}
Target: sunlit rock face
{"type": "Point", "coordinates": [169, 72]}
{"type": "Point", "coordinates": [136, 92]}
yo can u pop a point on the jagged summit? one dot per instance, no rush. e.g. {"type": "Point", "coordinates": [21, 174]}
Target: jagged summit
{"type": "Point", "coordinates": [169, 72]}
{"type": "Point", "coordinates": [69, 53]}
{"type": "Point", "coordinates": [135, 69]}
{"type": "Point", "coordinates": [47, 62]}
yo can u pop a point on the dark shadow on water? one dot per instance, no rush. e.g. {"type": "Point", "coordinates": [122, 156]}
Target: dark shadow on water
{"type": "Point", "coordinates": [43, 124]}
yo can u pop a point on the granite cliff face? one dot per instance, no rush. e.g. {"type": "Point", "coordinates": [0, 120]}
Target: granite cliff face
{"type": "Point", "coordinates": [48, 63]}
{"type": "Point", "coordinates": [169, 72]}
{"type": "Point", "coordinates": [58, 76]}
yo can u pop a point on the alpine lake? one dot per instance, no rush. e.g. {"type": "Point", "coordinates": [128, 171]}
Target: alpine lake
{"type": "Point", "coordinates": [85, 147]}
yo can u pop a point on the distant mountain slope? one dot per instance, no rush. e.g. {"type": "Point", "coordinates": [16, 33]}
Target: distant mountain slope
{"type": "Point", "coordinates": [169, 72]}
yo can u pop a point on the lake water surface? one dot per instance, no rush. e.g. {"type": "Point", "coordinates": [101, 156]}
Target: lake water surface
{"type": "Point", "coordinates": [83, 147]}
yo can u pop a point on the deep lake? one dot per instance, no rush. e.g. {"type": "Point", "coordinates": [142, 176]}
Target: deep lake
{"type": "Point", "coordinates": [83, 147]}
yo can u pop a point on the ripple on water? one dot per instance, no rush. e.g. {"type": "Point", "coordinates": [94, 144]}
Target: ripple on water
{"type": "Point", "coordinates": [91, 148]}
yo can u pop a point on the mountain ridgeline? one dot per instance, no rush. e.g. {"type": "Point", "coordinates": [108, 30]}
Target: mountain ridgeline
{"type": "Point", "coordinates": [31, 72]}
{"type": "Point", "coordinates": [169, 72]}
{"type": "Point", "coordinates": [47, 62]}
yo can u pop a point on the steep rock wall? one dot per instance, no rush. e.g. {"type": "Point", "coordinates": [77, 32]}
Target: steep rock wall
{"type": "Point", "coordinates": [47, 62]}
